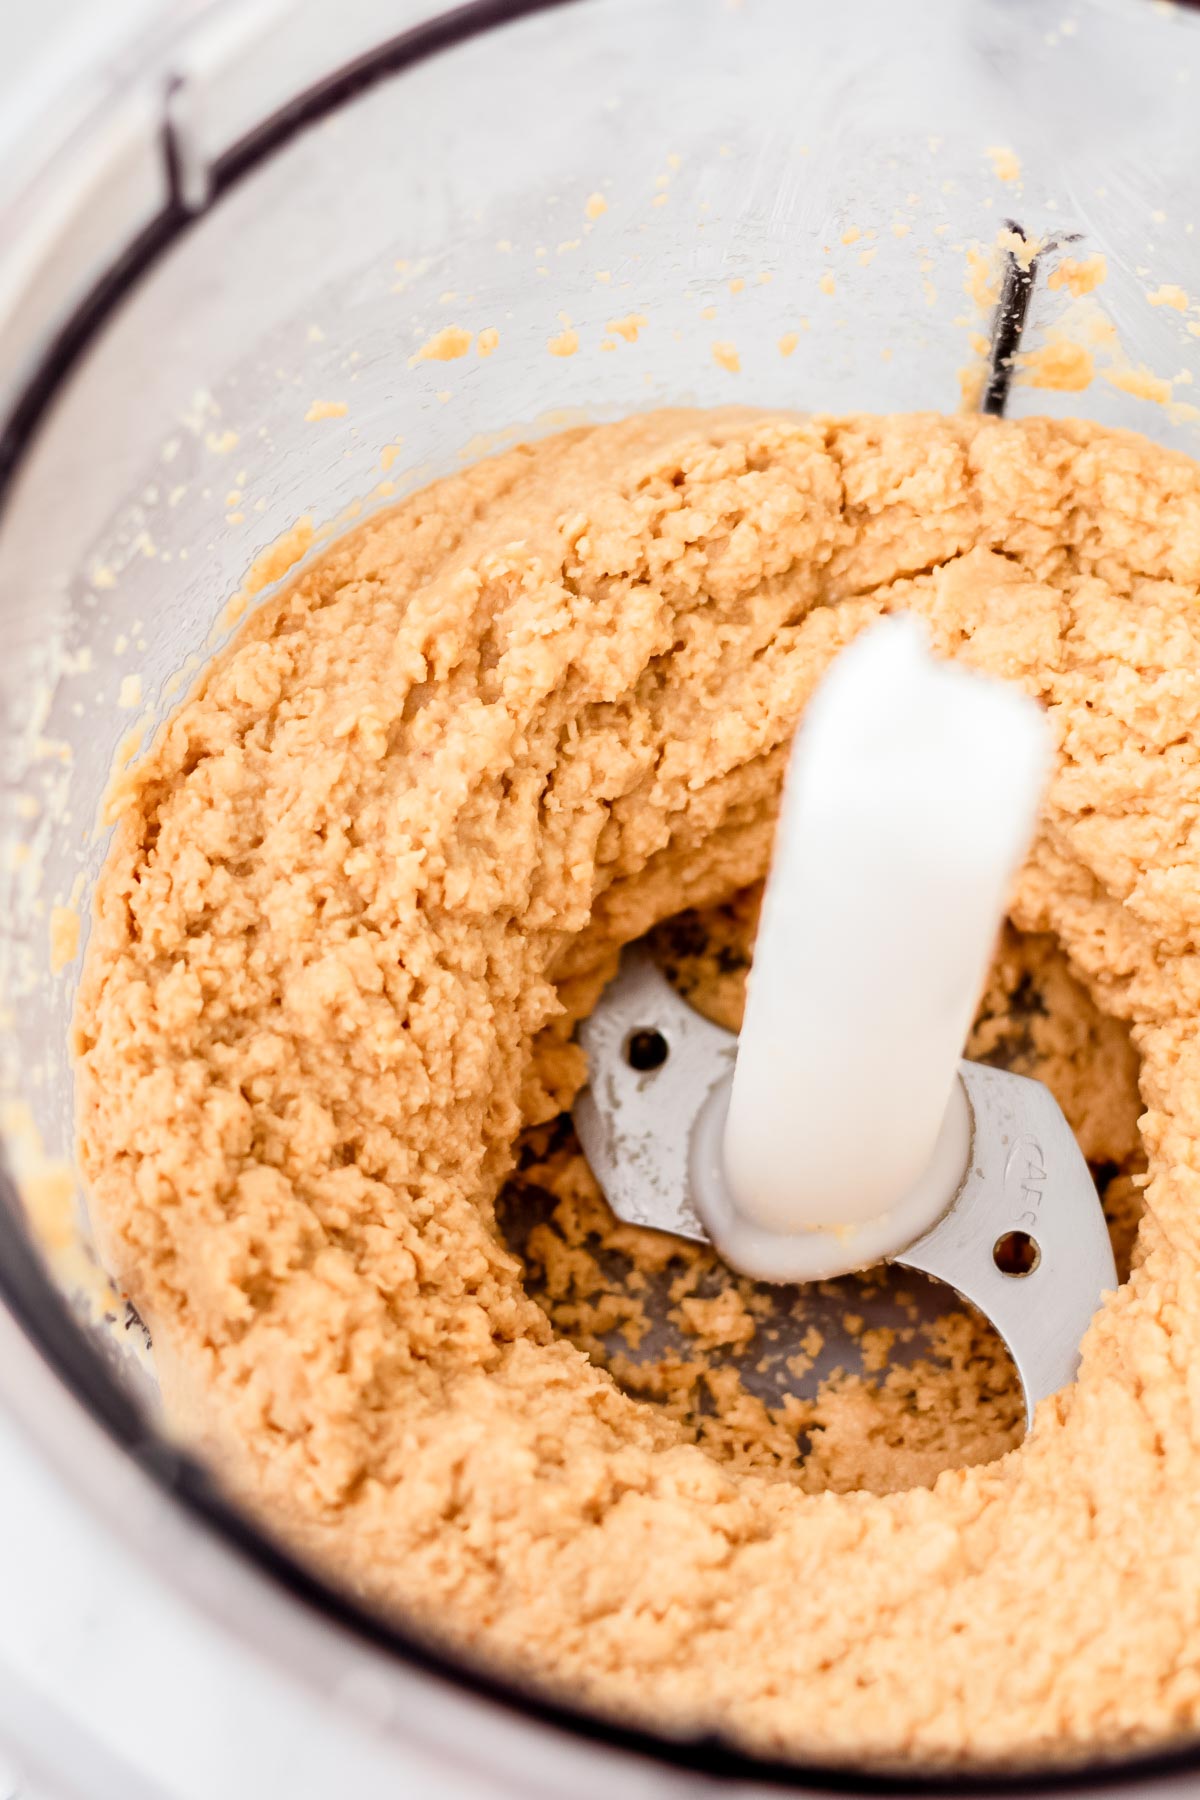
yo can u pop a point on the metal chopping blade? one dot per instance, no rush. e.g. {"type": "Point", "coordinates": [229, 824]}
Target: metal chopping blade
{"type": "Point", "coordinates": [1023, 1239]}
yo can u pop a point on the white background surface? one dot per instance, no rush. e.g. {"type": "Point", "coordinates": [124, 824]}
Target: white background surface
{"type": "Point", "coordinates": [38, 44]}
{"type": "Point", "coordinates": [35, 1516]}
{"type": "Point", "coordinates": [40, 40]}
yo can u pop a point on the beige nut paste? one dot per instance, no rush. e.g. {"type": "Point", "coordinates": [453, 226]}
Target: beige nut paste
{"type": "Point", "coordinates": [375, 869]}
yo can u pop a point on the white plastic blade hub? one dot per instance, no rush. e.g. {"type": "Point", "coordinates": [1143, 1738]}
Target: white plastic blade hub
{"type": "Point", "coordinates": [911, 797]}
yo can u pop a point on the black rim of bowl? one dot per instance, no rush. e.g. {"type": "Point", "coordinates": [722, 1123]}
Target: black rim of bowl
{"type": "Point", "coordinates": [65, 1344]}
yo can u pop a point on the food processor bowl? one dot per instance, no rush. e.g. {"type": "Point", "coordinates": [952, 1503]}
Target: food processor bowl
{"type": "Point", "coordinates": [272, 265]}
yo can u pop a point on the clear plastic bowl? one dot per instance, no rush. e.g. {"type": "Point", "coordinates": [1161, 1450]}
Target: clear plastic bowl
{"type": "Point", "coordinates": [222, 249]}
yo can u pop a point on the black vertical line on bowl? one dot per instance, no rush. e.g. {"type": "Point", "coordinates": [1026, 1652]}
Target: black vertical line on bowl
{"type": "Point", "coordinates": [1012, 310]}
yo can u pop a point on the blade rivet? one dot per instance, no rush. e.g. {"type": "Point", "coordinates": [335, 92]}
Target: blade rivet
{"type": "Point", "coordinates": [646, 1050]}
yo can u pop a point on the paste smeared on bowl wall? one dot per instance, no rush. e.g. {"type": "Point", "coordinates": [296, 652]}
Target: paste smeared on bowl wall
{"type": "Point", "coordinates": [372, 873]}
